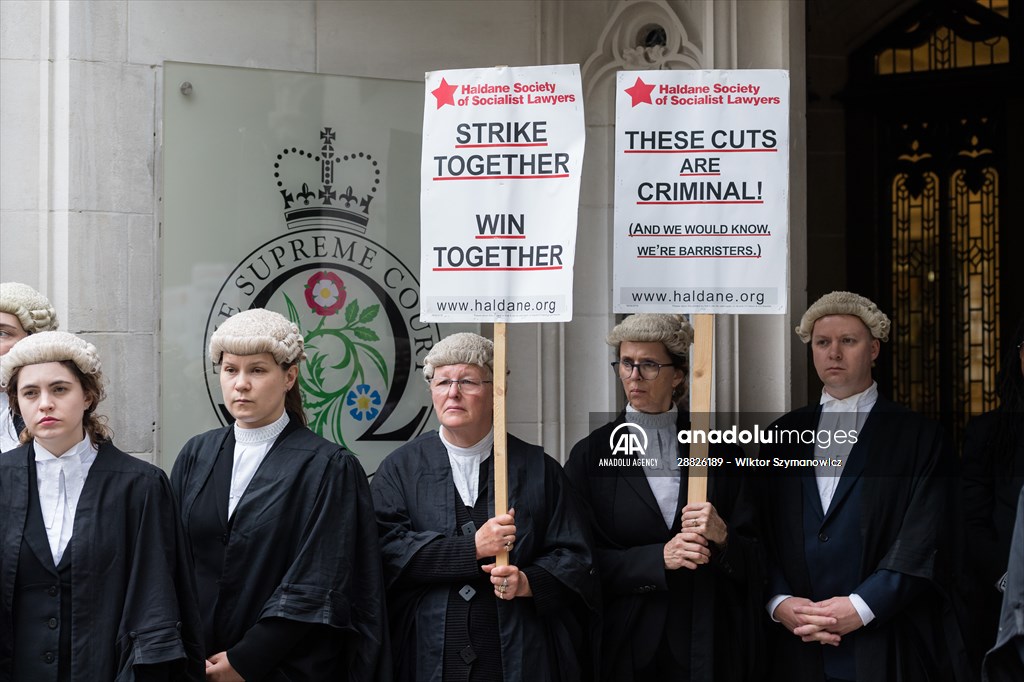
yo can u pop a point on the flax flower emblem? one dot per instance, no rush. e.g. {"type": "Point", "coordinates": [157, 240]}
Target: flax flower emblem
{"type": "Point", "coordinates": [364, 401]}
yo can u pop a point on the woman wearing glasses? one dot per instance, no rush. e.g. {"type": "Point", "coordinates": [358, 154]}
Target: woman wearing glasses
{"type": "Point", "coordinates": [454, 614]}
{"type": "Point", "coordinates": [681, 582]}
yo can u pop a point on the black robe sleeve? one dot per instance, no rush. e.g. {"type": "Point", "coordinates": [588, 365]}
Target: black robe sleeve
{"type": "Point", "coordinates": [265, 645]}
{"type": "Point", "coordinates": [622, 569]}
{"type": "Point", "coordinates": [159, 582]}
{"type": "Point", "coordinates": [444, 560]}
{"type": "Point", "coordinates": [1005, 663]}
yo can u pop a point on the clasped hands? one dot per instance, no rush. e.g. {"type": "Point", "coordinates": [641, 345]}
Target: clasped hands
{"type": "Point", "coordinates": [690, 548]}
{"type": "Point", "coordinates": [824, 621]}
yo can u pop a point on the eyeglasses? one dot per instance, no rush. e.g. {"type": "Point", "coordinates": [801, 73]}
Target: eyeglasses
{"type": "Point", "coordinates": [467, 386]}
{"type": "Point", "coordinates": [649, 370]}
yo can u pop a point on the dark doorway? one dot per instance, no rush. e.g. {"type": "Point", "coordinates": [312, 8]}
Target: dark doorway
{"type": "Point", "coordinates": [933, 190]}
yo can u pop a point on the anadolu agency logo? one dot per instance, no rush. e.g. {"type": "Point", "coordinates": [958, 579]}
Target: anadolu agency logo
{"type": "Point", "coordinates": [628, 440]}
{"type": "Point", "coordinates": [355, 302]}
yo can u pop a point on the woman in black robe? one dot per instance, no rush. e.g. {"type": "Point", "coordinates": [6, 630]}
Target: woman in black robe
{"type": "Point", "coordinates": [279, 524]}
{"type": "Point", "coordinates": [455, 614]}
{"type": "Point", "coordinates": [94, 585]}
{"type": "Point", "coordinates": [681, 582]}
{"type": "Point", "coordinates": [993, 475]}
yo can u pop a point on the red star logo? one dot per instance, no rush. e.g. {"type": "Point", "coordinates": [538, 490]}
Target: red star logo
{"type": "Point", "coordinates": [640, 92]}
{"type": "Point", "coordinates": [445, 93]}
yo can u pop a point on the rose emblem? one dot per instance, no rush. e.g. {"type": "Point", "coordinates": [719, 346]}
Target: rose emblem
{"type": "Point", "coordinates": [339, 377]}
{"type": "Point", "coordinates": [325, 293]}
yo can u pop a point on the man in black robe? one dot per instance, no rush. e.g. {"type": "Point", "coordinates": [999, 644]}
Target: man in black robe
{"type": "Point", "coordinates": [454, 614]}
{"type": "Point", "coordinates": [858, 540]}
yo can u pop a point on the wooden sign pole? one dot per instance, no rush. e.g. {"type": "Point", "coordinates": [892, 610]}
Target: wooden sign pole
{"type": "Point", "coordinates": [700, 403]}
{"type": "Point", "coordinates": [500, 431]}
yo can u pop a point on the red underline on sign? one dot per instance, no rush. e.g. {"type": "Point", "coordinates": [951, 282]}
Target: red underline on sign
{"type": "Point", "coordinates": [697, 151]}
{"type": "Point", "coordinates": [697, 175]}
{"type": "Point", "coordinates": [500, 236]}
{"type": "Point", "coordinates": [507, 177]}
{"type": "Point", "coordinates": [759, 234]}
{"type": "Point", "coordinates": [501, 144]}
{"type": "Point", "coordinates": [553, 267]}
{"type": "Point", "coordinates": [676, 203]}
{"type": "Point", "coordinates": [698, 256]}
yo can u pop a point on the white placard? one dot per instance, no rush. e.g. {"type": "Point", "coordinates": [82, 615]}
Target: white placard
{"type": "Point", "coordinates": [502, 158]}
{"type": "Point", "coordinates": [701, 191]}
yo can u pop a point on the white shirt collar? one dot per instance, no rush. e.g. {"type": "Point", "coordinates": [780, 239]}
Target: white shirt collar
{"type": "Point", "coordinates": [60, 481]}
{"type": "Point", "coordinates": [261, 434]}
{"type": "Point", "coordinates": [480, 449]}
{"type": "Point", "coordinates": [84, 450]}
{"type": "Point", "coordinates": [251, 447]}
{"type": "Point", "coordinates": [465, 464]}
{"type": "Point", "coordinates": [858, 402]}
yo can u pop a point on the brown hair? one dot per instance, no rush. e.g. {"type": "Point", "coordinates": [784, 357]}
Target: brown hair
{"type": "Point", "coordinates": [92, 386]}
{"type": "Point", "coordinates": [293, 398]}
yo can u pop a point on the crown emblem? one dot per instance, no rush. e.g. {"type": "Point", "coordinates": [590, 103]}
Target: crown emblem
{"type": "Point", "coordinates": [318, 202]}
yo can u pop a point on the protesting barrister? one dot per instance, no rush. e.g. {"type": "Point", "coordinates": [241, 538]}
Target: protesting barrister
{"type": "Point", "coordinates": [280, 525]}
{"type": "Point", "coordinates": [23, 311]}
{"type": "Point", "coordinates": [1005, 662]}
{"type": "Point", "coordinates": [456, 614]}
{"type": "Point", "coordinates": [681, 582]}
{"type": "Point", "coordinates": [94, 579]}
{"type": "Point", "coordinates": [993, 475]}
{"type": "Point", "coordinates": [859, 540]}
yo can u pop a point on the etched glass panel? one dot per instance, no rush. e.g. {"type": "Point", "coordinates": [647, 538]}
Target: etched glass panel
{"type": "Point", "coordinates": [948, 38]}
{"type": "Point", "coordinates": [915, 235]}
{"type": "Point", "coordinates": [975, 220]}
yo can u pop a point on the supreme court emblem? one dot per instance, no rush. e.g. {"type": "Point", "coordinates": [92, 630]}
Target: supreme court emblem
{"type": "Point", "coordinates": [355, 302]}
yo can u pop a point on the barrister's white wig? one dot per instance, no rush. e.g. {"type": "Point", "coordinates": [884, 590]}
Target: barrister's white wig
{"type": "Point", "coordinates": [845, 303]}
{"type": "Point", "coordinates": [463, 348]}
{"type": "Point", "coordinates": [674, 331]}
{"type": "Point", "coordinates": [49, 347]}
{"type": "Point", "coordinates": [256, 331]}
{"type": "Point", "coordinates": [31, 308]}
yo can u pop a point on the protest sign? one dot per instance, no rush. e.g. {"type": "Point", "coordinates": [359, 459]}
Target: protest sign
{"type": "Point", "coordinates": [501, 165]}
{"type": "Point", "coordinates": [701, 206]}
{"type": "Point", "coordinates": [701, 191]}
{"type": "Point", "coordinates": [502, 159]}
